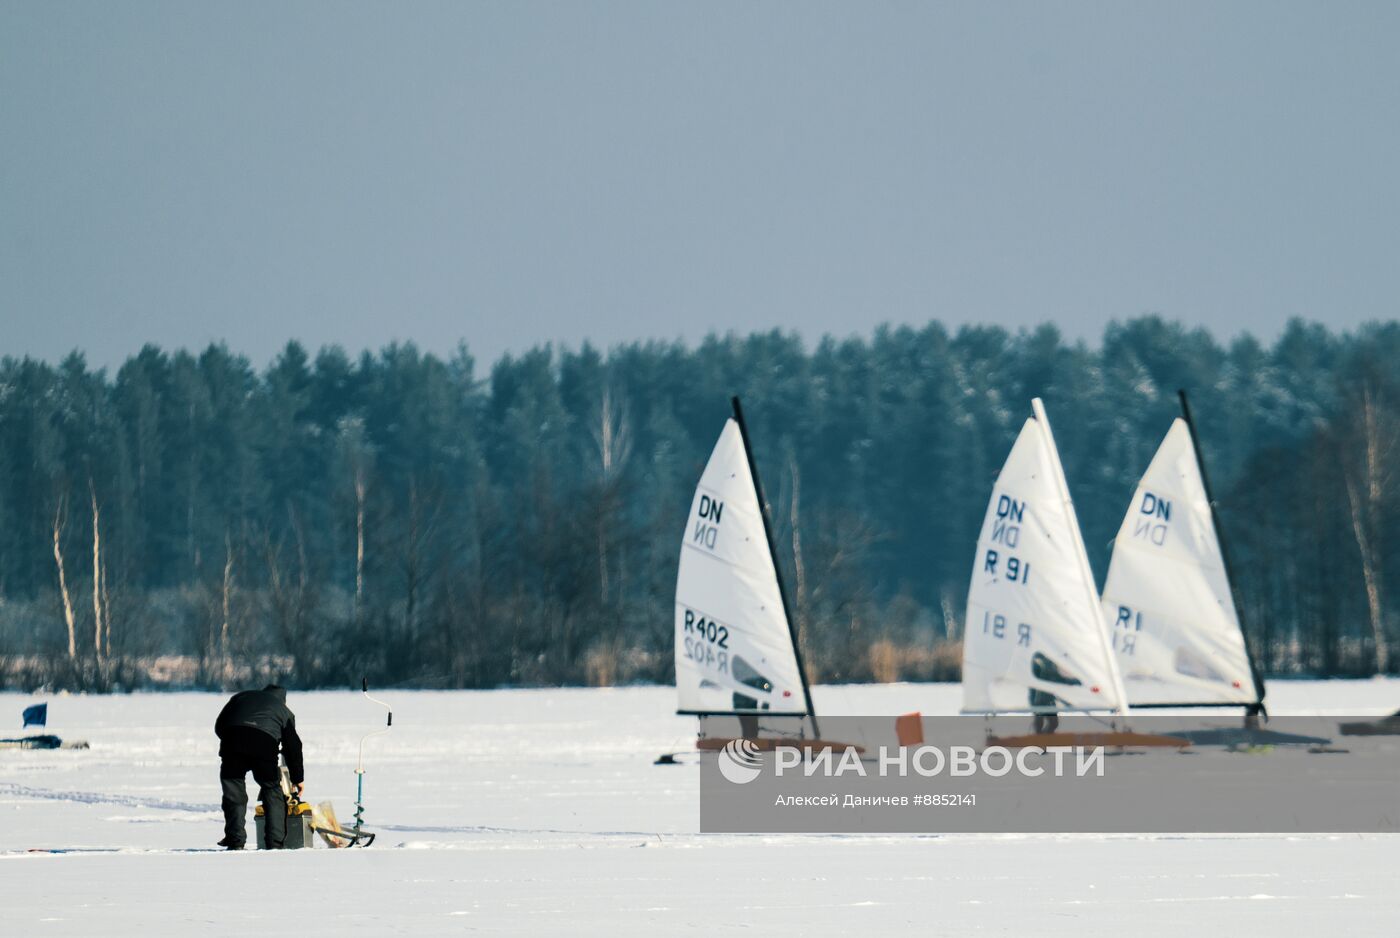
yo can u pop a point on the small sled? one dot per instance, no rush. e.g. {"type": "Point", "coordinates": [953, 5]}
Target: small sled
{"type": "Point", "coordinates": [324, 824]}
{"type": "Point", "coordinates": [340, 837]}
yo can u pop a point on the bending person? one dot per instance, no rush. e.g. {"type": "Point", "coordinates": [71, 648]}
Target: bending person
{"type": "Point", "coordinates": [251, 728]}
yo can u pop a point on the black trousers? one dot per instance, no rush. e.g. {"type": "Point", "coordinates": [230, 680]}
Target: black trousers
{"type": "Point", "coordinates": [236, 760]}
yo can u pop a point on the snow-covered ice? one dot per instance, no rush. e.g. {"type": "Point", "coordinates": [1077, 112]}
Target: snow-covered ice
{"type": "Point", "coordinates": [539, 811]}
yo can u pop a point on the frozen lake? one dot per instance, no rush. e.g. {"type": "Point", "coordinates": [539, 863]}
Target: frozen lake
{"type": "Point", "coordinates": [539, 811]}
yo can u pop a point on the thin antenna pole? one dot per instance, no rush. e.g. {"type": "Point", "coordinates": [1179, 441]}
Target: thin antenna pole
{"type": "Point", "coordinates": [1082, 555]}
{"type": "Point", "coordinates": [1220, 539]}
{"type": "Point", "coordinates": [777, 568]}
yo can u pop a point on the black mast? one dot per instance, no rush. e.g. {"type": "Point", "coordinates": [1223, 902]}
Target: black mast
{"type": "Point", "coordinates": [777, 568]}
{"type": "Point", "coordinates": [1224, 553]}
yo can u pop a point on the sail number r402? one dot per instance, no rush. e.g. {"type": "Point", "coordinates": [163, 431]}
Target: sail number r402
{"type": "Point", "coordinates": [702, 637]}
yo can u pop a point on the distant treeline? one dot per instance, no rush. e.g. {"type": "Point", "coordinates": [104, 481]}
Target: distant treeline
{"type": "Point", "coordinates": [401, 516]}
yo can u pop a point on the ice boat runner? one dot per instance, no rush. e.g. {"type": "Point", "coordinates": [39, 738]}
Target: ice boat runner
{"type": "Point", "coordinates": [1034, 639]}
{"type": "Point", "coordinates": [738, 666]}
{"type": "Point", "coordinates": [1169, 601]}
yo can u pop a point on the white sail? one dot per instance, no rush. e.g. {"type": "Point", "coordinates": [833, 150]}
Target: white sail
{"type": "Point", "coordinates": [734, 650]}
{"type": "Point", "coordinates": [1170, 613]}
{"type": "Point", "coordinates": [1033, 620]}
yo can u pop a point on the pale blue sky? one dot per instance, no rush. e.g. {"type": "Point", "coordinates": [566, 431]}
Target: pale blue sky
{"type": "Point", "coordinates": [511, 173]}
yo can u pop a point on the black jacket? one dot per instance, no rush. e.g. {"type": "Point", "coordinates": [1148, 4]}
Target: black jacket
{"type": "Point", "coordinates": [252, 715]}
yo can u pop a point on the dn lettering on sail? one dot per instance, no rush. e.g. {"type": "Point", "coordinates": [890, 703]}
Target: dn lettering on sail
{"type": "Point", "coordinates": [1006, 531]}
{"type": "Point", "coordinates": [1154, 514]}
{"type": "Point", "coordinates": [708, 515]}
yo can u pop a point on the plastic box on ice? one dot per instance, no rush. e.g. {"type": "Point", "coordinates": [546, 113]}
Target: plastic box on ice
{"type": "Point", "coordinates": [299, 831]}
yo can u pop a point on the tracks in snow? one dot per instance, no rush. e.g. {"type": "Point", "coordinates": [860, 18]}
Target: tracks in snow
{"type": "Point", "coordinates": [93, 797]}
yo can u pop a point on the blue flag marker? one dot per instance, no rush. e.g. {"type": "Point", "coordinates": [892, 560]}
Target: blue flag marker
{"type": "Point", "coordinates": [37, 715]}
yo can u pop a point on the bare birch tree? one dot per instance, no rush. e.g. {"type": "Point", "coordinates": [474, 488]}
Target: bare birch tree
{"type": "Point", "coordinates": [800, 598]}
{"type": "Point", "coordinates": [361, 493]}
{"type": "Point", "coordinates": [612, 436]}
{"type": "Point", "coordinates": [1370, 478]}
{"type": "Point", "coordinates": [68, 617]}
{"type": "Point", "coordinates": [96, 573]}
{"type": "Point", "coordinates": [356, 455]}
{"type": "Point", "coordinates": [225, 652]}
